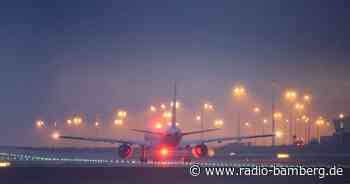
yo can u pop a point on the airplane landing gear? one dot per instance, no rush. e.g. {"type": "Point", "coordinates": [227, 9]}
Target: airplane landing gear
{"type": "Point", "coordinates": [187, 157]}
{"type": "Point", "coordinates": [143, 157]}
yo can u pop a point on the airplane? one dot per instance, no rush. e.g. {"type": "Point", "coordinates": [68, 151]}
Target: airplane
{"type": "Point", "coordinates": [163, 145]}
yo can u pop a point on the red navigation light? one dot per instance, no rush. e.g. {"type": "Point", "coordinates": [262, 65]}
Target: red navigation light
{"type": "Point", "coordinates": [164, 152]}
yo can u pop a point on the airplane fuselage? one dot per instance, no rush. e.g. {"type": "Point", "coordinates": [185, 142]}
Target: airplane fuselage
{"type": "Point", "coordinates": [172, 138]}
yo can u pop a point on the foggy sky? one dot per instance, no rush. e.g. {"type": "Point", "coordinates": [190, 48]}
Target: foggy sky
{"type": "Point", "coordinates": [62, 57]}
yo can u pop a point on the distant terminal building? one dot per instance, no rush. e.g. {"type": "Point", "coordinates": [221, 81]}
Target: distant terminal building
{"type": "Point", "coordinates": [341, 134]}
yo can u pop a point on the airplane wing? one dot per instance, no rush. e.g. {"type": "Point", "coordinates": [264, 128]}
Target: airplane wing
{"type": "Point", "coordinates": [111, 141]}
{"type": "Point", "coordinates": [200, 131]}
{"type": "Point", "coordinates": [221, 139]}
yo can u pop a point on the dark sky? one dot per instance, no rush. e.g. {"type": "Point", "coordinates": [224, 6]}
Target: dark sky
{"type": "Point", "coordinates": [61, 57]}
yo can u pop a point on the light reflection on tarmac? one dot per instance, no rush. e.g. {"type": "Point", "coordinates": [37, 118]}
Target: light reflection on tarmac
{"type": "Point", "coordinates": [78, 166]}
{"type": "Point", "coordinates": [27, 160]}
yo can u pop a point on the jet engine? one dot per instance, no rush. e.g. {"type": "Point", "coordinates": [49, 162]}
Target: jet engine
{"type": "Point", "coordinates": [124, 151]}
{"type": "Point", "coordinates": [200, 150]}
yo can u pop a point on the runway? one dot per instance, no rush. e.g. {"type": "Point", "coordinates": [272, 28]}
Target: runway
{"type": "Point", "coordinates": [30, 160]}
{"type": "Point", "coordinates": [37, 158]}
{"type": "Point", "coordinates": [36, 166]}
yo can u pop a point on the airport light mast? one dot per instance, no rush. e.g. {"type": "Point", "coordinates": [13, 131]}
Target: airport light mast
{"type": "Point", "coordinates": [273, 85]}
{"type": "Point", "coordinates": [291, 96]}
{"type": "Point", "coordinates": [256, 111]}
{"type": "Point", "coordinates": [239, 91]}
{"type": "Point", "coordinates": [205, 107]}
{"type": "Point", "coordinates": [299, 107]}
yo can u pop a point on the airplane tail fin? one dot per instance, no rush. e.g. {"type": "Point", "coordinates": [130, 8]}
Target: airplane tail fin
{"type": "Point", "coordinates": [173, 111]}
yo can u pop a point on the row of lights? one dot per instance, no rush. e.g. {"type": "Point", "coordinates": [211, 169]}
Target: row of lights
{"type": "Point", "coordinates": [163, 107]}
{"type": "Point", "coordinates": [217, 123]}
{"type": "Point", "coordinates": [159, 125]}
{"type": "Point", "coordinates": [238, 91]}
{"type": "Point", "coordinates": [290, 95]}
{"type": "Point", "coordinates": [168, 115]}
{"type": "Point", "coordinates": [77, 120]}
{"type": "Point", "coordinates": [121, 116]}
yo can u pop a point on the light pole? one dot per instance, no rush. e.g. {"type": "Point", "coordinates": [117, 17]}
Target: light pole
{"type": "Point", "coordinates": [40, 124]}
{"type": "Point", "coordinates": [309, 131]}
{"type": "Point", "coordinates": [263, 126]}
{"type": "Point", "coordinates": [152, 108]}
{"type": "Point", "coordinates": [121, 118]}
{"type": "Point", "coordinates": [163, 107]}
{"type": "Point", "coordinates": [202, 122]}
{"type": "Point", "coordinates": [218, 123]}
{"type": "Point", "coordinates": [279, 135]}
{"type": "Point", "coordinates": [239, 91]}
{"type": "Point", "coordinates": [118, 122]}
{"type": "Point", "coordinates": [299, 107]}
{"type": "Point", "coordinates": [263, 129]}
{"type": "Point", "coordinates": [97, 124]}
{"type": "Point", "coordinates": [290, 96]}
{"type": "Point", "coordinates": [307, 100]}
{"type": "Point", "coordinates": [77, 122]}
{"type": "Point", "coordinates": [273, 127]}
{"type": "Point", "coordinates": [247, 127]}
{"type": "Point", "coordinates": [122, 114]}
{"type": "Point", "coordinates": [320, 122]}
{"type": "Point", "coordinates": [256, 111]}
{"type": "Point", "coordinates": [205, 107]}
{"type": "Point", "coordinates": [276, 117]}
{"type": "Point", "coordinates": [306, 130]}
